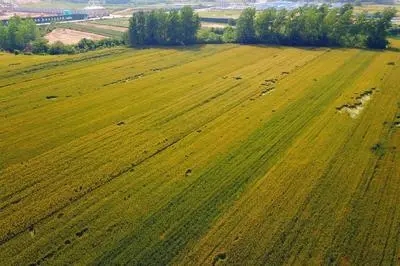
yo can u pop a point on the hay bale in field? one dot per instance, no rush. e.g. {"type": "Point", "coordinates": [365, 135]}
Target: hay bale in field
{"type": "Point", "coordinates": [188, 172]}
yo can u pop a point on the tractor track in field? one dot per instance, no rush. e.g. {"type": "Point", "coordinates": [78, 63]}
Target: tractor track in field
{"type": "Point", "coordinates": [119, 173]}
{"type": "Point", "coordinates": [214, 200]}
{"type": "Point", "coordinates": [301, 226]}
{"type": "Point", "coordinates": [226, 158]}
{"type": "Point", "coordinates": [53, 64]}
{"type": "Point", "coordinates": [196, 106]}
{"type": "Point", "coordinates": [208, 100]}
{"type": "Point", "coordinates": [9, 236]}
{"type": "Point", "coordinates": [127, 169]}
{"type": "Point", "coordinates": [110, 178]}
{"type": "Point", "coordinates": [361, 191]}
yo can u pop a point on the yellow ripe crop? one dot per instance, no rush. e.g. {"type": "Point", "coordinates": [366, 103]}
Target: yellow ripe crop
{"type": "Point", "coordinates": [198, 156]}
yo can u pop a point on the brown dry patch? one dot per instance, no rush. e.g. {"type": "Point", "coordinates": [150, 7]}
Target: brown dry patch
{"type": "Point", "coordinates": [355, 108]}
{"type": "Point", "coordinates": [68, 36]}
{"type": "Point", "coordinates": [345, 261]}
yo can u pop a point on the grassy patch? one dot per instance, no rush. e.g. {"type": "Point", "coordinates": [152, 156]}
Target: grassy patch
{"type": "Point", "coordinates": [91, 29]}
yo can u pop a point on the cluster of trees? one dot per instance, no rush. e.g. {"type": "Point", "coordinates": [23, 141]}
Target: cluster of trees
{"type": "Point", "coordinates": [304, 26]}
{"type": "Point", "coordinates": [41, 46]}
{"type": "Point", "coordinates": [216, 35]}
{"type": "Point", "coordinates": [18, 34]}
{"type": "Point", "coordinates": [315, 26]}
{"type": "Point", "coordinates": [23, 35]}
{"type": "Point", "coordinates": [161, 28]}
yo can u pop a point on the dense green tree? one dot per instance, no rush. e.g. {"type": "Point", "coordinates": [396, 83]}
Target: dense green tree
{"type": "Point", "coordinates": [229, 35]}
{"type": "Point", "coordinates": [279, 26]}
{"type": "Point", "coordinates": [174, 28]}
{"type": "Point", "coordinates": [40, 46]}
{"type": "Point", "coordinates": [208, 36]}
{"type": "Point", "coordinates": [141, 27]}
{"type": "Point", "coordinates": [86, 45]}
{"type": "Point", "coordinates": [344, 26]}
{"type": "Point", "coordinates": [60, 48]}
{"type": "Point", "coordinates": [3, 36]}
{"type": "Point", "coordinates": [295, 29]}
{"type": "Point", "coordinates": [190, 24]}
{"type": "Point", "coordinates": [12, 30]}
{"type": "Point", "coordinates": [132, 32]}
{"type": "Point", "coordinates": [263, 25]}
{"type": "Point", "coordinates": [162, 30]}
{"type": "Point", "coordinates": [151, 28]}
{"type": "Point", "coordinates": [328, 20]}
{"type": "Point", "coordinates": [322, 26]}
{"type": "Point", "coordinates": [376, 28]}
{"type": "Point", "coordinates": [160, 27]}
{"type": "Point", "coordinates": [137, 29]}
{"type": "Point", "coordinates": [308, 25]}
{"type": "Point", "coordinates": [26, 33]}
{"type": "Point", "coordinates": [18, 33]}
{"type": "Point", "coordinates": [245, 32]}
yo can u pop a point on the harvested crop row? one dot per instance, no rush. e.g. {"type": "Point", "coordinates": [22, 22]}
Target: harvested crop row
{"type": "Point", "coordinates": [177, 156]}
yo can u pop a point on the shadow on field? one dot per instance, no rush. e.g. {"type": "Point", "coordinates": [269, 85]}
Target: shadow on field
{"type": "Point", "coordinates": [393, 49]}
{"type": "Point", "coordinates": [283, 47]}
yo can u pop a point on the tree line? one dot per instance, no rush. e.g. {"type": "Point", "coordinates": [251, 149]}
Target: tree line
{"type": "Point", "coordinates": [18, 34]}
{"type": "Point", "coordinates": [315, 26]}
{"type": "Point", "coordinates": [303, 26]}
{"type": "Point", "coordinates": [162, 28]}
{"type": "Point", "coordinates": [41, 46]}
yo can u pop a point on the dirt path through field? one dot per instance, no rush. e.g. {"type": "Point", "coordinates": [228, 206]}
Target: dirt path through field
{"type": "Point", "coordinates": [68, 36]}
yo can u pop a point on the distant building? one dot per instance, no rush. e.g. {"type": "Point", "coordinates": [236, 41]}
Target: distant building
{"type": "Point", "coordinates": [96, 11]}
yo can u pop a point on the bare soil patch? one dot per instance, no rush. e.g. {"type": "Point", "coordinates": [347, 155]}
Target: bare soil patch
{"type": "Point", "coordinates": [354, 109]}
{"type": "Point", "coordinates": [68, 36]}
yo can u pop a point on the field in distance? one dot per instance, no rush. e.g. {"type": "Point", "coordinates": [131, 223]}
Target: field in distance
{"type": "Point", "coordinates": [200, 156]}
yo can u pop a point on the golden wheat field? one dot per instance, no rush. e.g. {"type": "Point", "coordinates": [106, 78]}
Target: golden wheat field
{"type": "Point", "coordinates": [216, 154]}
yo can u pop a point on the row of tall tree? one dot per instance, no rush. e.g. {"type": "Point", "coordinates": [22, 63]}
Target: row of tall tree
{"type": "Point", "coordinates": [161, 28]}
{"type": "Point", "coordinates": [18, 33]}
{"type": "Point", "coordinates": [316, 26]}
